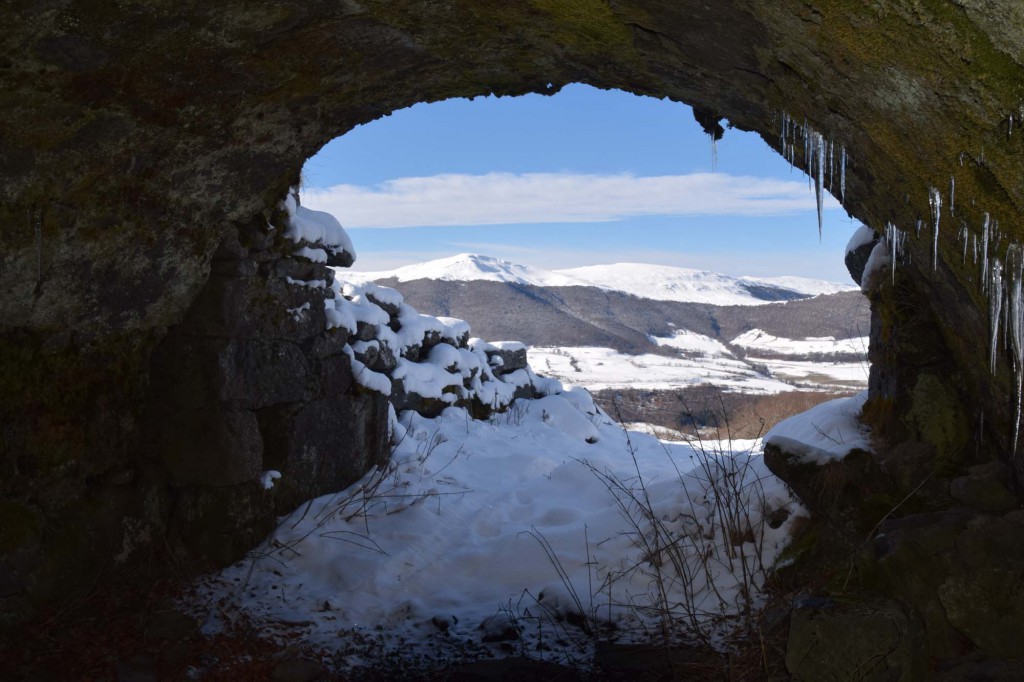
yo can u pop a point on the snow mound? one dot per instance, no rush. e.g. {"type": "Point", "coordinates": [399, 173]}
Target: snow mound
{"type": "Point", "coordinates": [825, 433]}
{"type": "Point", "coordinates": [518, 527]}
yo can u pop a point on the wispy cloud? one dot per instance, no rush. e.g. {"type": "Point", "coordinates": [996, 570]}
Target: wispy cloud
{"type": "Point", "coordinates": [508, 198]}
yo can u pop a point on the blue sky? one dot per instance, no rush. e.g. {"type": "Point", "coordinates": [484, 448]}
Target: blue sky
{"type": "Point", "coordinates": [582, 177]}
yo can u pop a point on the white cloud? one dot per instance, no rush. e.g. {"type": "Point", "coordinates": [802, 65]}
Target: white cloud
{"type": "Point", "coordinates": [508, 198]}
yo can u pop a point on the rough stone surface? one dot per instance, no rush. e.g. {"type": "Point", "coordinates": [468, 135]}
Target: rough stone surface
{"type": "Point", "coordinates": [857, 259]}
{"type": "Point", "coordinates": [508, 360]}
{"type": "Point", "coordinates": [832, 640]}
{"type": "Point", "coordinates": [985, 488]}
{"type": "Point", "coordinates": [144, 152]}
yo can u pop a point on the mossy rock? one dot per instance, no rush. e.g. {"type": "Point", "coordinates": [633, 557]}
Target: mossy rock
{"type": "Point", "coordinates": [858, 639]}
{"type": "Point", "coordinates": [938, 414]}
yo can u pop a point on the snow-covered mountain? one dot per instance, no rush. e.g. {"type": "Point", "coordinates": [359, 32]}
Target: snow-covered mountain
{"type": "Point", "coordinates": [655, 282]}
{"type": "Point", "coordinates": [469, 267]}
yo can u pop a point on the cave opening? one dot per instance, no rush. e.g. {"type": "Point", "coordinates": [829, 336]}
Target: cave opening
{"type": "Point", "coordinates": [131, 165]}
{"type": "Point", "coordinates": [498, 512]}
{"type": "Point", "coordinates": [495, 192]}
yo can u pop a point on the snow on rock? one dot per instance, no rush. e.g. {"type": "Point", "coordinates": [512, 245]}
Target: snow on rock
{"type": "Point", "coordinates": [268, 477]}
{"type": "Point", "coordinates": [429, 380]}
{"type": "Point", "coordinates": [508, 345]}
{"type": "Point", "coordinates": [390, 300]}
{"type": "Point", "coordinates": [319, 229]}
{"type": "Point", "coordinates": [414, 358]}
{"type": "Point", "coordinates": [861, 236]}
{"type": "Point", "coordinates": [315, 255]}
{"type": "Point", "coordinates": [874, 269]}
{"type": "Point", "coordinates": [366, 377]}
{"type": "Point", "coordinates": [458, 328]}
{"type": "Point", "coordinates": [520, 526]}
{"type": "Point", "coordinates": [824, 433]}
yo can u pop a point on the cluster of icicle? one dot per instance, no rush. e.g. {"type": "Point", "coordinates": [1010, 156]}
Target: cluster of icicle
{"type": "Point", "coordinates": [1002, 280]}
{"type": "Point", "coordinates": [820, 162]}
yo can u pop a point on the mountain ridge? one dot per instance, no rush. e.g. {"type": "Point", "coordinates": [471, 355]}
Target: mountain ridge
{"type": "Point", "coordinates": [654, 282]}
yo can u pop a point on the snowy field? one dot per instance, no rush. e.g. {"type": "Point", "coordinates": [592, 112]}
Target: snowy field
{"type": "Point", "coordinates": [852, 375]}
{"type": "Point", "coordinates": [756, 340]}
{"type": "Point", "coordinates": [540, 532]}
{"type": "Point", "coordinates": [602, 368]}
{"type": "Point", "coordinates": [703, 361]}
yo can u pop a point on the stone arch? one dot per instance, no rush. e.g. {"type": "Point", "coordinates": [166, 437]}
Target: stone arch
{"type": "Point", "coordinates": [138, 143]}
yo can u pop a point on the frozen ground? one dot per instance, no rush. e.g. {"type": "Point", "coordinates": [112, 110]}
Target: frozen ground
{"type": "Point", "coordinates": [540, 532]}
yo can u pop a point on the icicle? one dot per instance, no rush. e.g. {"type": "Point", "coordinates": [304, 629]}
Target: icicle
{"type": "Point", "coordinates": [808, 153]}
{"type": "Point", "coordinates": [952, 195]}
{"type": "Point", "coordinates": [984, 252]}
{"type": "Point", "coordinates": [714, 153]}
{"type": "Point", "coordinates": [832, 164]}
{"type": "Point", "coordinates": [1006, 306]}
{"type": "Point", "coordinates": [897, 240]}
{"type": "Point", "coordinates": [1009, 132]}
{"type": "Point", "coordinates": [963, 235]}
{"type": "Point", "coordinates": [975, 249]}
{"type": "Point", "coordinates": [995, 299]}
{"type": "Point", "coordinates": [842, 175]}
{"type": "Point", "coordinates": [917, 227]}
{"type": "Point", "coordinates": [935, 201]}
{"type": "Point", "coordinates": [819, 179]}
{"type": "Point", "coordinates": [1016, 314]}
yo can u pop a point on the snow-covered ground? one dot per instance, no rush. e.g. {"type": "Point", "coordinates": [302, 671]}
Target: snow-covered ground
{"type": "Point", "coordinates": [756, 340]}
{"type": "Point", "coordinates": [692, 343]}
{"type": "Point", "coordinates": [832, 375]}
{"type": "Point", "coordinates": [658, 282]}
{"type": "Point", "coordinates": [601, 368]}
{"type": "Point", "coordinates": [542, 530]}
{"type": "Point", "coordinates": [703, 360]}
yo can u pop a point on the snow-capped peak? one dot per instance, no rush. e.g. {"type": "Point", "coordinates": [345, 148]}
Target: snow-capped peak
{"type": "Point", "coordinates": [658, 282]}
{"type": "Point", "coordinates": [470, 267]}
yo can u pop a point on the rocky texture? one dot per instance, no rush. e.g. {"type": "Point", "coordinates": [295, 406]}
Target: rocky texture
{"type": "Point", "coordinates": [857, 259]}
{"type": "Point", "coordinates": [134, 140]}
{"type": "Point", "coordinates": [250, 381]}
{"type": "Point", "coordinates": [425, 363]}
